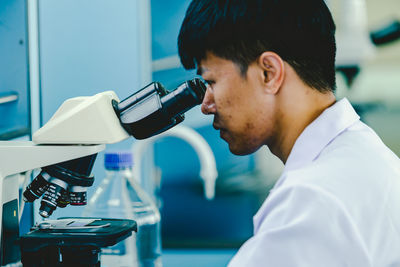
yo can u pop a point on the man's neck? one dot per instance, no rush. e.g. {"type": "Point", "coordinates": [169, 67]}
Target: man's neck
{"type": "Point", "coordinates": [297, 111]}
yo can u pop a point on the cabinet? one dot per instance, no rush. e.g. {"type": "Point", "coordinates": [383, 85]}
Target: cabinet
{"type": "Point", "coordinates": [87, 47]}
{"type": "Point", "coordinates": [14, 81]}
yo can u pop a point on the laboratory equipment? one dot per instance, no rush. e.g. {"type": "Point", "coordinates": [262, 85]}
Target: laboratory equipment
{"type": "Point", "coordinates": [354, 45]}
{"type": "Point", "coordinates": [355, 42]}
{"type": "Point", "coordinates": [18, 157]}
{"type": "Point", "coordinates": [145, 113]}
{"type": "Point", "coordinates": [120, 196]}
{"type": "Point", "coordinates": [66, 145]}
{"type": "Point", "coordinates": [72, 241]}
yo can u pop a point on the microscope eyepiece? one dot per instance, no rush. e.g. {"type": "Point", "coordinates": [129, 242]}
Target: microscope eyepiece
{"type": "Point", "coordinates": [153, 110]}
{"type": "Point", "coordinates": [198, 87]}
{"type": "Point", "coordinates": [183, 98]}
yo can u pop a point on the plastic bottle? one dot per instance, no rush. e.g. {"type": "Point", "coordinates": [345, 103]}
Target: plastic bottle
{"type": "Point", "coordinates": [120, 196]}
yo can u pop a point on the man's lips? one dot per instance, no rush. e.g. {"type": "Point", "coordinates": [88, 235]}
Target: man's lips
{"type": "Point", "coordinates": [222, 131]}
{"type": "Point", "coordinates": [216, 126]}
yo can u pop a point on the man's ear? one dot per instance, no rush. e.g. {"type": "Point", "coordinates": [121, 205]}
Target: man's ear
{"type": "Point", "coordinates": [273, 71]}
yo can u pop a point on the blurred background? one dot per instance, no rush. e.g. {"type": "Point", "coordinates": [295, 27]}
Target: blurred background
{"type": "Point", "coordinates": [54, 50]}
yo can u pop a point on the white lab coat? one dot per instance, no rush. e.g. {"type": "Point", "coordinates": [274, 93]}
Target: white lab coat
{"type": "Point", "coordinates": [337, 202]}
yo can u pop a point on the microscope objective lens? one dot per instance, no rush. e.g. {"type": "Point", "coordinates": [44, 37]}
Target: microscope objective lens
{"type": "Point", "coordinates": [52, 196]}
{"type": "Point", "coordinates": [64, 200]}
{"type": "Point", "coordinates": [37, 187]}
{"type": "Point", "coordinates": [43, 213]}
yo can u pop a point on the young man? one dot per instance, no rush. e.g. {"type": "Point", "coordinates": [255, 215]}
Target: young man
{"type": "Point", "coordinates": [270, 68]}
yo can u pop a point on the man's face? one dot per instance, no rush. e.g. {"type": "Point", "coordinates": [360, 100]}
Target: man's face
{"type": "Point", "coordinates": [243, 112]}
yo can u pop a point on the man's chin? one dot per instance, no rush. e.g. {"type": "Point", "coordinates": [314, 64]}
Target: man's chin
{"type": "Point", "coordinates": [236, 148]}
{"type": "Point", "coordinates": [241, 151]}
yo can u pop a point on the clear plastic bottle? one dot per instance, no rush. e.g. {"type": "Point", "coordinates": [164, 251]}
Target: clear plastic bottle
{"type": "Point", "coordinates": [120, 196]}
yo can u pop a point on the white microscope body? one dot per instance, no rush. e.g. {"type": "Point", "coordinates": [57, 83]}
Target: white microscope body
{"type": "Point", "coordinates": [74, 126]}
{"type": "Point", "coordinates": [17, 158]}
{"type": "Point", "coordinates": [80, 128]}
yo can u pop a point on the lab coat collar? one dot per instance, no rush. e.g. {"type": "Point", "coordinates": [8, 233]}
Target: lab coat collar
{"type": "Point", "coordinates": [315, 137]}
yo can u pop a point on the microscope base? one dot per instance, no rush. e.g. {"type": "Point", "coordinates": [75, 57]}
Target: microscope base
{"type": "Point", "coordinates": [72, 241]}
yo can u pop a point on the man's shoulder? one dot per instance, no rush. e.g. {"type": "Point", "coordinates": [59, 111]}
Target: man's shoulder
{"type": "Point", "coordinates": [357, 151]}
{"type": "Point", "coordinates": [355, 162]}
{"type": "Point", "coordinates": [348, 165]}
{"type": "Point", "coordinates": [357, 142]}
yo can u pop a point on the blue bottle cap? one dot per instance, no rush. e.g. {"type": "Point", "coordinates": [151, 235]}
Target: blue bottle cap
{"type": "Point", "coordinates": [118, 160]}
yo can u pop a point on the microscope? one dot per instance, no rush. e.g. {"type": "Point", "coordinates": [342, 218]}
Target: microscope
{"type": "Point", "coordinates": [64, 150]}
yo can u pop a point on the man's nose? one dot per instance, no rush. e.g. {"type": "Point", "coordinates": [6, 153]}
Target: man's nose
{"type": "Point", "coordinates": [208, 105]}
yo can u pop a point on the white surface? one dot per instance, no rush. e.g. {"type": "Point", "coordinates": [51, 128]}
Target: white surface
{"type": "Point", "coordinates": [336, 204]}
{"type": "Point", "coordinates": [83, 120]}
{"type": "Point", "coordinates": [20, 156]}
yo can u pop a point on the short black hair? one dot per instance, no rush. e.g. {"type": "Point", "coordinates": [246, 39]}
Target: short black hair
{"type": "Point", "coordinates": [301, 32]}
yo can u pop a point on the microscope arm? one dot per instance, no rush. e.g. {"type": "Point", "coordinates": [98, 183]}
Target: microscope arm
{"type": "Point", "coordinates": [22, 156]}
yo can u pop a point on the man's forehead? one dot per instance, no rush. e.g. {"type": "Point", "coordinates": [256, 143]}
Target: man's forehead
{"type": "Point", "coordinates": [214, 64]}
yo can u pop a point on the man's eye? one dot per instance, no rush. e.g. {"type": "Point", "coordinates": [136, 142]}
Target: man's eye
{"type": "Point", "coordinates": [209, 82]}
